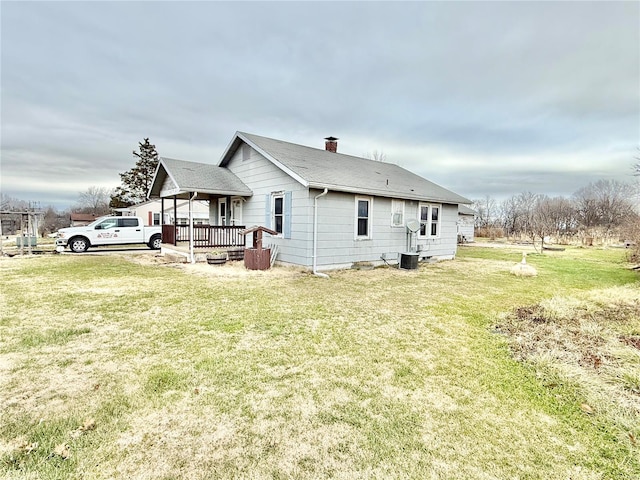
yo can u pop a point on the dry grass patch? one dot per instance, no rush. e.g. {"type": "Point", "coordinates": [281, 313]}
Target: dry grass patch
{"type": "Point", "coordinates": [591, 342]}
{"type": "Point", "coordinates": [216, 372]}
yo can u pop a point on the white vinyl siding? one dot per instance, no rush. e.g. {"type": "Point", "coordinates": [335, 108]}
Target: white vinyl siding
{"type": "Point", "coordinates": [264, 178]}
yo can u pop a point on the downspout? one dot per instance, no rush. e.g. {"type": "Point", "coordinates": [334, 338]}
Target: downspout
{"type": "Point", "coordinates": [315, 234]}
{"type": "Point", "coordinates": [193, 258]}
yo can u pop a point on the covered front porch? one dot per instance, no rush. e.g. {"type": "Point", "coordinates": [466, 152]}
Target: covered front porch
{"type": "Point", "coordinates": [177, 179]}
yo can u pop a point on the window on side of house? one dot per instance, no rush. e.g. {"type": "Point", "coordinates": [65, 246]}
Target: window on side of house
{"type": "Point", "coordinates": [278, 212]}
{"type": "Point", "coordinates": [363, 217]}
{"type": "Point", "coordinates": [435, 221]}
{"type": "Point", "coordinates": [397, 213]}
{"type": "Point", "coordinates": [429, 220]}
{"type": "Point", "coordinates": [277, 220]}
{"type": "Point", "coordinates": [156, 219]}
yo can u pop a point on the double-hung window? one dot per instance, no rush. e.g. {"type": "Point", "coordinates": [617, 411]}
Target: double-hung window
{"type": "Point", "coordinates": [363, 217]}
{"type": "Point", "coordinates": [430, 220]}
{"type": "Point", "coordinates": [278, 213]}
{"type": "Point", "coordinates": [397, 213]}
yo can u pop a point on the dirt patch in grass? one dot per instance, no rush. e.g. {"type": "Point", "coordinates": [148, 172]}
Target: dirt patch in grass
{"type": "Point", "coordinates": [591, 343]}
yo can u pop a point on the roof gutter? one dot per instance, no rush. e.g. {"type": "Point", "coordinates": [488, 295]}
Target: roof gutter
{"type": "Point", "coordinates": [315, 234]}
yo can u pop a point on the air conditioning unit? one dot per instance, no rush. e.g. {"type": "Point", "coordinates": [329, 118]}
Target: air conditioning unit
{"type": "Point", "coordinates": [409, 261]}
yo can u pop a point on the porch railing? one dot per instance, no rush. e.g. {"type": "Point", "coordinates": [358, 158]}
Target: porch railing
{"type": "Point", "coordinates": [204, 236]}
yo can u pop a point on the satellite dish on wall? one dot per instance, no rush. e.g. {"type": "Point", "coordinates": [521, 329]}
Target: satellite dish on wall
{"type": "Point", "coordinates": [413, 226]}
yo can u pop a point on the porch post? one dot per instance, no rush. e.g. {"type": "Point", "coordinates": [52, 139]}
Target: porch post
{"type": "Point", "coordinates": [193, 260]}
{"type": "Point", "coordinates": [175, 221]}
{"type": "Point", "coordinates": [191, 198]}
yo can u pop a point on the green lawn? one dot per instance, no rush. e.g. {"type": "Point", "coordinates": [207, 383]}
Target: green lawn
{"type": "Point", "coordinates": [113, 368]}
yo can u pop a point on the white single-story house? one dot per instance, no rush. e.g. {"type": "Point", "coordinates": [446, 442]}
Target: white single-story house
{"type": "Point", "coordinates": [330, 210]}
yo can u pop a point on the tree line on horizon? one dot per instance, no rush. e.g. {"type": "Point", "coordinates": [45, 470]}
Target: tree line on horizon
{"type": "Point", "coordinates": [604, 211]}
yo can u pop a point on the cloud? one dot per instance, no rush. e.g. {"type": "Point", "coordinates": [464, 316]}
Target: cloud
{"type": "Point", "coordinates": [538, 94]}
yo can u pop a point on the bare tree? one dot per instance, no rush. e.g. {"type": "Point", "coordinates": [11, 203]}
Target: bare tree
{"type": "Point", "coordinates": [53, 221]}
{"type": "Point", "coordinates": [604, 206]}
{"type": "Point", "coordinates": [8, 203]}
{"type": "Point", "coordinates": [94, 200]}
{"type": "Point", "coordinates": [378, 156]}
{"type": "Point", "coordinates": [563, 216]}
{"type": "Point", "coordinates": [551, 217]}
{"type": "Point", "coordinates": [509, 215]}
{"type": "Point", "coordinates": [486, 211]}
{"type": "Point", "coordinates": [518, 214]}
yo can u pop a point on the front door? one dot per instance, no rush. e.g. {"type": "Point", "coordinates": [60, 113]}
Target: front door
{"type": "Point", "coordinates": [236, 211]}
{"type": "Point", "coordinates": [222, 211]}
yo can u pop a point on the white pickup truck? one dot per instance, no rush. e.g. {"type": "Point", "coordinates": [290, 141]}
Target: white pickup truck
{"type": "Point", "coordinates": [109, 231]}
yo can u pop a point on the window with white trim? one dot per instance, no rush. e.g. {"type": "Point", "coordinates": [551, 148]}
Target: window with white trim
{"type": "Point", "coordinates": [397, 213]}
{"type": "Point", "coordinates": [156, 219]}
{"type": "Point", "coordinates": [277, 213]}
{"type": "Point", "coordinates": [363, 217]}
{"type": "Point", "coordinates": [430, 220]}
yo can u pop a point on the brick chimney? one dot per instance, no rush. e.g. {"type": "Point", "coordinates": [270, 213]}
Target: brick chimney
{"type": "Point", "coordinates": [331, 144]}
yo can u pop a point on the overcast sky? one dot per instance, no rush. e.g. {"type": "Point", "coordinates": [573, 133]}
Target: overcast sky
{"type": "Point", "coordinates": [484, 98]}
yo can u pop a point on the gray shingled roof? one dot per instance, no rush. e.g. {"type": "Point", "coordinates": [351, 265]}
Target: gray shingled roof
{"type": "Point", "coordinates": [465, 210]}
{"type": "Point", "coordinates": [197, 177]}
{"type": "Point", "coordinates": [318, 168]}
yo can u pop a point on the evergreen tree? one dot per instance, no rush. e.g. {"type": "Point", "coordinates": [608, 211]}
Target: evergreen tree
{"type": "Point", "coordinates": [137, 181]}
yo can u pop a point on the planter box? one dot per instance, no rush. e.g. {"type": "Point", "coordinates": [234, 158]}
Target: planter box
{"type": "Point", "coordinates": [217, 260]}
{"type": "Point", "coordinates": [236, 254]}
{"type": "Point", "coordinates": [257, 258]}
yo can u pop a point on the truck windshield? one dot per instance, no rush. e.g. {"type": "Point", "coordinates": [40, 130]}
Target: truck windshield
{"type": "Point", "coordinates": [96, 222]}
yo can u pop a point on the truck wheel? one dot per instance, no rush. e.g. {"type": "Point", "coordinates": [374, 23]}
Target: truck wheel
{"type": "Point", "coordinates": [78, 244]}
{"type": "Point", "coordinates": [155, 242]}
